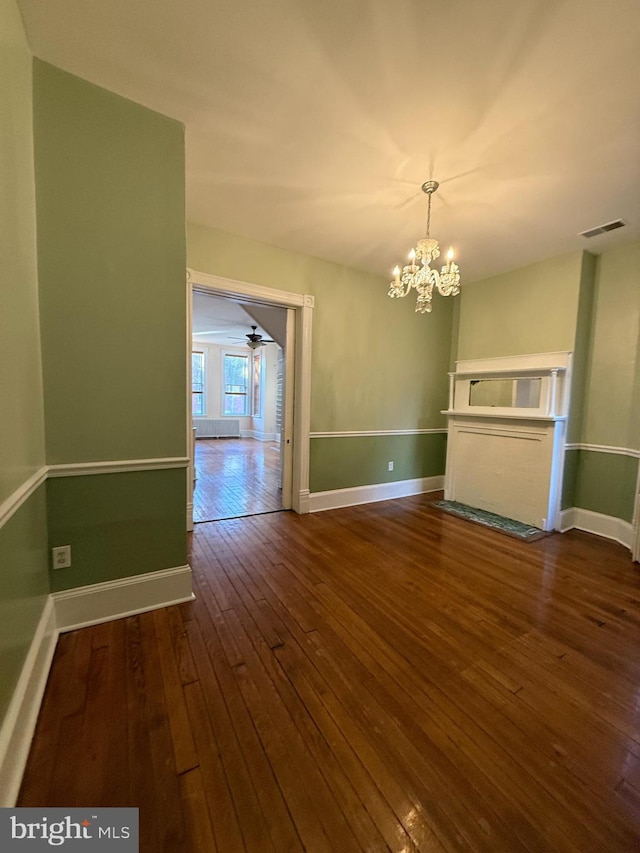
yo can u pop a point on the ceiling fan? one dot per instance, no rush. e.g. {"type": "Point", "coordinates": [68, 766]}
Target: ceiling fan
{"type": "Point", "coordinates": [256, 340]}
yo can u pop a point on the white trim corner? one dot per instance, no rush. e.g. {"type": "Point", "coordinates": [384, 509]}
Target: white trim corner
{"type": "Point", "coordinates": [21, 717]}
{"type": "Point", "coordinates": [608, 526]}
{"type": "Point", "coordinates": [12, 504]}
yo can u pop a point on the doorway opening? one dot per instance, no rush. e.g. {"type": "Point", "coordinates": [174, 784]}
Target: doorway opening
{"type": "Point", "coordinates": [248, 407]}
{"type": "Point", "coordinates": [238, 355]}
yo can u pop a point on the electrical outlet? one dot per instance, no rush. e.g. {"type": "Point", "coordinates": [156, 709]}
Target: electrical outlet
{"type": "Point", "coordinates": [391, 466]}
{"type": "Point", "coordinates": [61, 557]}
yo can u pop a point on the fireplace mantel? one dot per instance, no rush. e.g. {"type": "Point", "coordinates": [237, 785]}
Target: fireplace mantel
{"type": "Point", "coordinates": [506, 435]}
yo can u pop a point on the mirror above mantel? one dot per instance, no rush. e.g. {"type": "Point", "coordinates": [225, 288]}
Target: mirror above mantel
{"type": "Point", "coordinates": [505, 393]}
{"type": "Point", "coordinates": [529, 386]}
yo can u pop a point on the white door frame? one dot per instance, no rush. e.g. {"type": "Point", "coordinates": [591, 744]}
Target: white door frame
{"type": "Point", "coordinates": [302, 304]}
{"type": "Point", "coordinates": [288, 416]}
{"type": "Point", "coordinates": [191, 450]}
{"type": "Point", "coordinates": [635, 545]}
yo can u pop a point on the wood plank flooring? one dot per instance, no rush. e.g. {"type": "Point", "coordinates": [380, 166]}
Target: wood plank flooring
{"type": "Point", "coordinates": [236, 477]}
{"type": "Point", "coordinates": [379, 678]}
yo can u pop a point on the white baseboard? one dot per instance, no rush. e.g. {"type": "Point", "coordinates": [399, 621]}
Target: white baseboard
{"type": "Point", "coordinates": [319, 501]}
{"type": "Point", "coordinates": [22, 714]}
{"type": "Point", "coordinates": [302, 507]}
{"type": "Point", "coordinates": [594, 522]}
{"type": "Point", "coordinates": [259, 436]}
{"type": "Point", "coordinates": [567, 519]}
{"type": "Point", "coordinates": [65, 611]}
{"type": "Point", "coordinates": [103, 602]}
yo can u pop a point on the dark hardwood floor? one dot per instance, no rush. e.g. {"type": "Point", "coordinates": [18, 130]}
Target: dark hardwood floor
{"type": "Point", "coordinates": [385, 677]}
{"type": "Point", "coordinates": [236, 477]}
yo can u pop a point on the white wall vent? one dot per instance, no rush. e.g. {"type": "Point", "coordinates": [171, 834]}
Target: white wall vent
{"type": "Point", "coordinates": [602, 229]}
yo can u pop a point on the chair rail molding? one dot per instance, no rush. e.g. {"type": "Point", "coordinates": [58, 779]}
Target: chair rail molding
{"type": "Point", "coordinates": [365, 433]}
{"type": "Point", "coordinates": [604, 448]}
{"type": "Point", "coordinates": [119, 466]}
{"type": "Point", "coordinates": [21, 495]}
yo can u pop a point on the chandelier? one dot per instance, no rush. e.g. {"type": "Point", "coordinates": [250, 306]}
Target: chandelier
{"type": "Point", "coordinates": [421, 276]}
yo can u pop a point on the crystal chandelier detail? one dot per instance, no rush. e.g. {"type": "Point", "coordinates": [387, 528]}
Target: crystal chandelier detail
{"type": "Point", "coordinates": [420, 275]}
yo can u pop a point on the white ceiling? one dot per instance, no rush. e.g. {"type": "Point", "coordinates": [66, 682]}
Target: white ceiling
{"type": "Point", "coordinates": [311, 124]}
{"type": "Point", "coordinates": [223, 321]}
{"type": "Point", "coordinates": [219, 321]}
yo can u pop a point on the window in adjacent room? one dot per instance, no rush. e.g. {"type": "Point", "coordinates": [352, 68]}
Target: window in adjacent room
{"type": "Point", "coordinates": [257, 385]}
{"type": "Point", "coordinates": [235, 383]}
{"type": "Point", "coordinates": [197, 383]}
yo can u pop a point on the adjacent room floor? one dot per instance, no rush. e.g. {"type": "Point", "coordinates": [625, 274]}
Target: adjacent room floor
{"type": "Point", "coordinates": [380, 678]}
{"type": "Point", "coordinates": [236, 477]}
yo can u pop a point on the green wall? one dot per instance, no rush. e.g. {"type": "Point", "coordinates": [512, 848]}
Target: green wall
{"type": "Point", "coordinates": [111, 252]}
{"type": "Point", "coordinates": [376, 364]}
{"type": "Point", "coordinates": [24, 587]}
{"type": "Point", "coordinates": [21, 424]}
{"type": "Point", "coordinates": [590, 305]}
{"type": "Point", "coordinates": [112, 257]}
{"type": "Point", "coordinates": [612, 413]}
{"type": "Point", "coordinates": [528, 310]}
{"type": "Point", "coordinates": [119, 524]}
{"type": "Point", "coordinates": [24, 581]}
{"type": "Point", "coordinates": [95, 295]}
{"type": "Point", "coordinates": [570, 478]}
{"type": "Point", "coordinates": [602, 482]}
{"type": "Point", "coordinates": [369, 352]}
{"type": "Point", "coordinates": [582, 347]}
{"type": "Point", "coordinates": [218, 253]}
{"type": "Point", "coordinates": [606, 482]}
{"type": "Point", "coordinates": [346, 461]}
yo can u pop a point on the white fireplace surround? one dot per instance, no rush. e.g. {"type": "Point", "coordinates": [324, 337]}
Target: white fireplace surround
{"type": "Point", "coordinates": [508, 457]}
